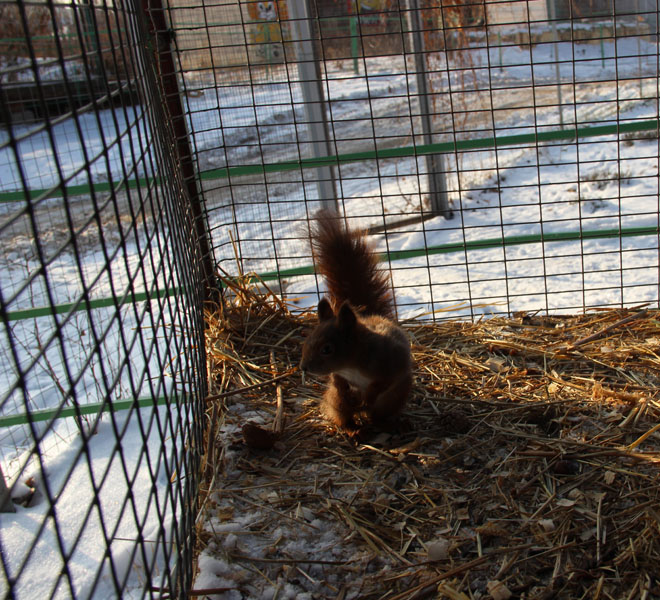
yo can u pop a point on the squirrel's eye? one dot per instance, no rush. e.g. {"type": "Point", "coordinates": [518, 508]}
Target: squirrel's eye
{"type": "Point", "coordinates": [326, 349]}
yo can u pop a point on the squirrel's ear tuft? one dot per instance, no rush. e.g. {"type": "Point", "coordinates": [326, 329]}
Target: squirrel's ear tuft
{"type": "Point", "coordinates": [346, 317]}
{"type": "Point", "coordinates": [325, 310]}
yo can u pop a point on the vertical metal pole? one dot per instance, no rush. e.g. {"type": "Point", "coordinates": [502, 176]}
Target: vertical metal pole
{"type": "Point", "coordinates": [163, 37]}
{"type": "Point", "coordinates": [355, 48]}
{"type": "Point", "coordinates": [313, 98]}
{"type": "Point", "coordinates": [553, 16]}
{"type": "Point", "coordinates": [434, 162]}
{"type": "Point", "coordinates": [91, 44]}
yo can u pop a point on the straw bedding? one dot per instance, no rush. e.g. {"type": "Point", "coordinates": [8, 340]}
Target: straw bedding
{"type": "Point", "coordinates": [524, 466]}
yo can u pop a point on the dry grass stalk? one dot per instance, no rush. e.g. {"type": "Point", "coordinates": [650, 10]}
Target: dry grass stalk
{"type": "Point", "coordinates": [526, 464]}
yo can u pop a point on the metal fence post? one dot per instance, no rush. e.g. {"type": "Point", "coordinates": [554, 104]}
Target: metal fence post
{"type": "Point", "coordinates": [434, 162]}
{"type": "Point", "coordinates": [163, 38]}
{"type": "Point", "coordinates": [314, 101]}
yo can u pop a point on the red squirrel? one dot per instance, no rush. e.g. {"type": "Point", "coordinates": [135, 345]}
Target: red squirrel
{"type": "Point", "coordinates": [356, 342]}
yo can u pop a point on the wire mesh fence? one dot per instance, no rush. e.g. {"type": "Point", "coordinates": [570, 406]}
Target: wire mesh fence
{"type": "Point", "coordinates": [101, 294]}
{"type": "Point", "coordinates": [505, 154]}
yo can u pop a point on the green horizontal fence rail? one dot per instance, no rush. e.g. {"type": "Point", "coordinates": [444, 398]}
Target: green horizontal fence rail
{"type": "Point", "coordinates": [80, 410]}
{"type": "Point", "coordinates": [78, 190]}
{"type": "Point", "coordinates": [46, 311]}
{"type": "Point", "coordinates": [565, 134]}
{"type": "Point", "coordinates": [555, 135]}
{"type": "Point", "coordinates": [485, 244]}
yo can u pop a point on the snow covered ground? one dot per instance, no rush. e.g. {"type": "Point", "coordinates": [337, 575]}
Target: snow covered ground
{"type": "Point", "coordinates": [594, 184]}
{"type": "Point", "coordinates": [112, 482]}
{"type": "Point", "coordinates": [109, 479]}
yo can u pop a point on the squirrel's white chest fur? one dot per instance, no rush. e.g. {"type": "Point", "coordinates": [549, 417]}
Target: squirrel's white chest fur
{"type": "Point", "coordinates": [354, 377]}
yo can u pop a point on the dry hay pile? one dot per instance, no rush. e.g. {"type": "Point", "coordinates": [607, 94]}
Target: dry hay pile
{"type": "Point", "coordinates": [525, 465]}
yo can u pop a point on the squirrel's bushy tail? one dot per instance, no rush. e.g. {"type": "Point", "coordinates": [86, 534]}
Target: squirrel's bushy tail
{"type": "Point", "coordinates": [350, 268]}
